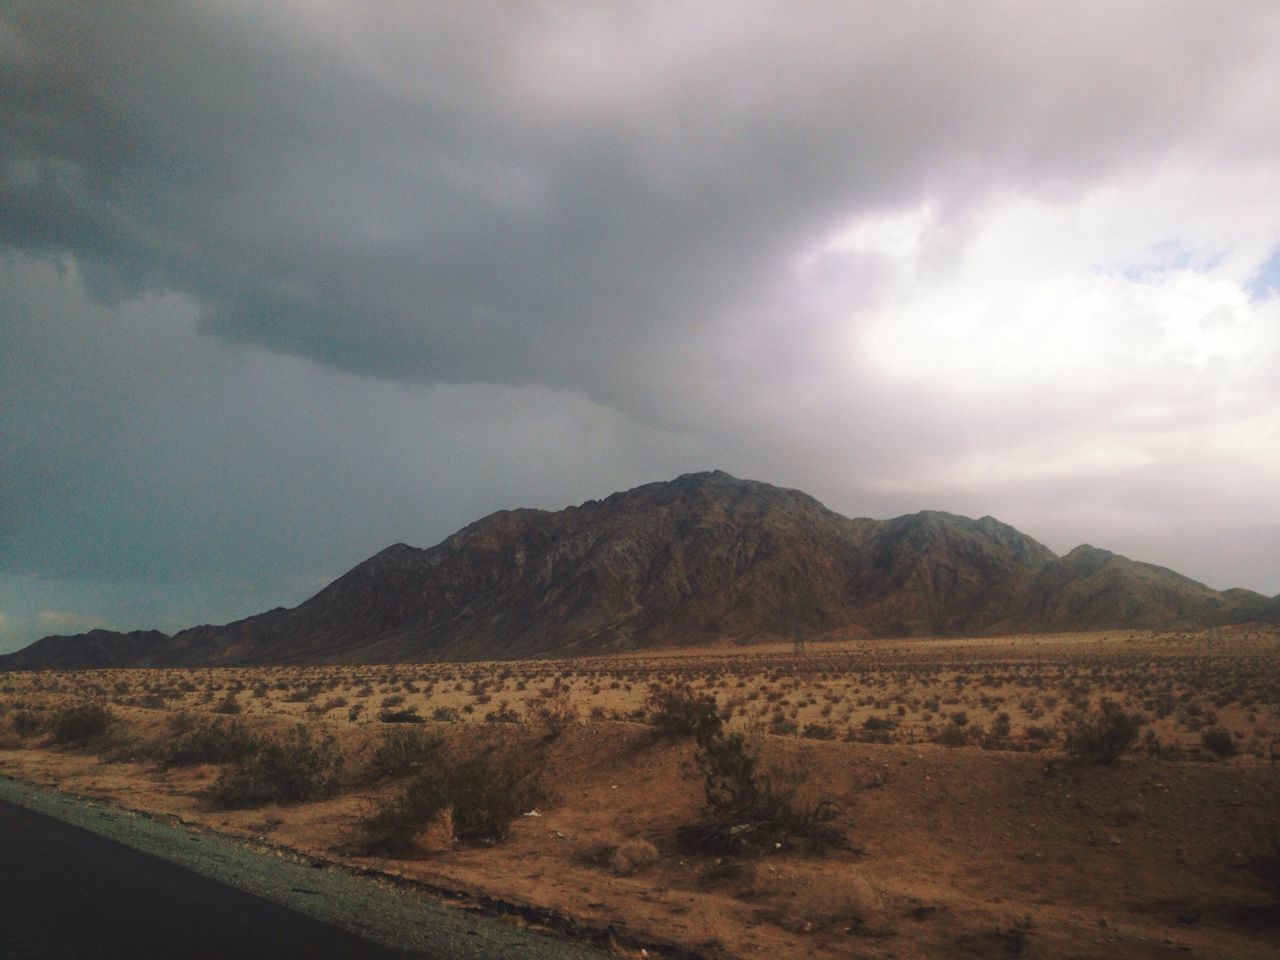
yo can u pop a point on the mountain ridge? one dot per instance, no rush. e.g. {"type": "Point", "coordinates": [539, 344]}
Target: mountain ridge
{"type": "Point", "coordinates": [703, 558]}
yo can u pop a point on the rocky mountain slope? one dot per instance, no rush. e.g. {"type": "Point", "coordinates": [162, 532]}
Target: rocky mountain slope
{"type": "Point", "coordinates": [705, 557]}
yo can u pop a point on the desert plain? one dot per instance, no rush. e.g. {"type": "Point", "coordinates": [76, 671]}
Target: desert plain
{"type": "Point", "coordinates": [958, 818]}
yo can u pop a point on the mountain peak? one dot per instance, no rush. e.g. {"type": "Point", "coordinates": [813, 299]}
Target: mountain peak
{"type": "Point", "coordinates": [704, 558]}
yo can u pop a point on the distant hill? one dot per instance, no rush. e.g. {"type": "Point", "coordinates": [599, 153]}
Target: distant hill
{"type": "Point", "coordinates": [703, 558]}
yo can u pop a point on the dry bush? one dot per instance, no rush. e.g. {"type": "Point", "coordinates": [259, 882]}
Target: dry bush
{"type": "Point", "coordinates": [679, 712]}
{"type": "Point", "coordinates": [1219, 742]}
{"type": "Point", "coordinates": [25, 724]}
{"type": "Point", "coordinates": [750, 809]}
{"type": "Point", "coordinates": [404, 750]}
{"type": "Point", "coordinates": [1102, 737]}
{"type": "Point", "coordinates": [401, 716]}
{"type": "Point", "coordinates": [207, 742]}
{"type": "Point", "coordinates": [10, 739]}
{"type": "Point", "coordinates": [79, 724]}
{"type": "Point", "coordinates": [632, 856]}
{"type": "Point", "coordinates": [483, 795]}
{"type": "Point", "coordinates": [554, 711]}
{"type": "Point", "coordinates": [291, 769]}
{"type": "Point", "coordinates": [851, 905]}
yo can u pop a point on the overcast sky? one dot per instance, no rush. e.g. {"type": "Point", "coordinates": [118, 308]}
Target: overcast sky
{"type": "Point", "coordinates": [283, 283]}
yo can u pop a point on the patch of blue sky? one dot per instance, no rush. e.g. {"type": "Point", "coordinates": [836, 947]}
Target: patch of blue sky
{"type": "Point", "coordinates": [1160, 259]}
{"type": "Point", "coordinates": [1266, 282]}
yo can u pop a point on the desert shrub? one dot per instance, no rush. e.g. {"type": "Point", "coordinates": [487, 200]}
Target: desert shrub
{"type": "Point", "coordinates": [1001, 728]}
{"type": "Point", "coordinates": [679, 712]}
{"type": "Point", "coordinates": [819, 731]}
{"type": "Point", "coordinates": [1102, 737]}
{"type": "Point", "coordinates": [401, 716]}
{"type": "Point", "coordinates": [555, 712]}
{"type": "Point", "coordinates": [1219, 742]}
{"type": "Point", "coordinates": [623, 859]}
{"type": "Point", "coordinates": [210, 742]}
{"type": "Point", "coordinates": [80, 723]}
{"type": "Point", "coordinates": [228, 705]}
{"type": "Point", "coordinates": [879, 723]}
{"type": "Point", "coordinates": [951, 736]}
{"type": "Point", "coordinates": [481, 796]}
{"type": "Point", "coordinates": [503, 714]}
{"type": "Point", "coordinates": [404, 750]}
{"type": "Point", "coordinates": [290, 769]}
{"type": "Point", "coordinates": [632, 856]}
{"type": "Point", "coordinates": [25, 723]}
{"type": "Point", "coordinates": [753, 809]}
{"type": "Point", "coordinates": [445, 715]}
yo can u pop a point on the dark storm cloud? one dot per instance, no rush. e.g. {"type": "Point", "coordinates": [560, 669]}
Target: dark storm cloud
{"type": "Point", "coordinates": [555, 194]}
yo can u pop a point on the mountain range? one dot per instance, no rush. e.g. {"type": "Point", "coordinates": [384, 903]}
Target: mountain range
{"type": "Point", "coordinates": [703, 558]}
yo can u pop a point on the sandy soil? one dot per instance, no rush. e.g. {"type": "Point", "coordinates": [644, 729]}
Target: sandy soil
{"type": "Point", "coordinates": [995, 847]}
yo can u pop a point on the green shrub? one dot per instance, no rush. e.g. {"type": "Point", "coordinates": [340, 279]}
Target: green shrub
{"type": "Point", "coordinates": [291, 769]}
{"type": "Point", "coordinates": [679, 712]}
{"type": "Point", "coordinates": [1102, 737]}
{"type": "Point", "coordinates": [483, 796]}
{"type": "Point", "coordinates": [210, 742]}
{"type": "Point", "coordinates": [80, 723]}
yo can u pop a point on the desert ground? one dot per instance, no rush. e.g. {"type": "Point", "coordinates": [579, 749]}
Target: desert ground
{"type": "Point", "coordinates": [937, 798]}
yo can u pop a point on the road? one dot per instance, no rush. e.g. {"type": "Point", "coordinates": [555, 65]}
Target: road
{"type": "Point", "coordinates": [80, 879]}
{"type": "Point", "coordinates": [69, 893]}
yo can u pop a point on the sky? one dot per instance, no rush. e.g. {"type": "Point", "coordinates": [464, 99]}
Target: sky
{"type": "Point", "coordinates": [283, 283]}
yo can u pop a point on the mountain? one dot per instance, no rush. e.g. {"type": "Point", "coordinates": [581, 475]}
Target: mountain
{"type": "Point", "coordinates": [705, 557]}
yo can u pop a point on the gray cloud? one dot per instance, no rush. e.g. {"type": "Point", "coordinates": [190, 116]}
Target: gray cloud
{"type": "Point", "coordinates": [555, 195]}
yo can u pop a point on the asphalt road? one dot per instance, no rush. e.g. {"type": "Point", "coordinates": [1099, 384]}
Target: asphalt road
{"type": "Point", "coordinates": [69, 893]}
